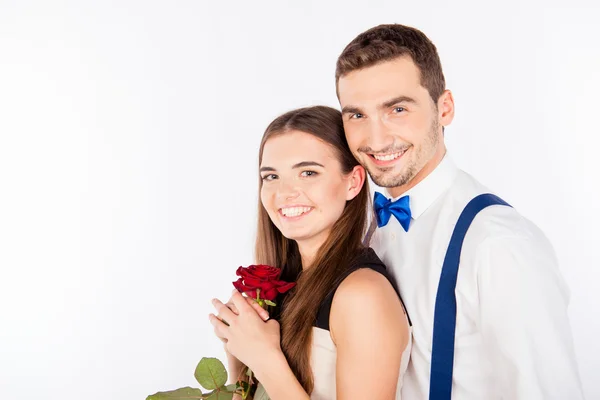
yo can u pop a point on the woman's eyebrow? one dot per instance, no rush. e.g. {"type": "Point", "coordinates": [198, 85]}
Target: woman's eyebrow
{"type": "Point", "coordinates": [308, 164]}
{"type": "Point", "coordinates": [298, 165]}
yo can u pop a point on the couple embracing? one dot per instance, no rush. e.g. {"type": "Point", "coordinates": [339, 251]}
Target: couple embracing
{"type": "Point", "coordinates": [435, 288]}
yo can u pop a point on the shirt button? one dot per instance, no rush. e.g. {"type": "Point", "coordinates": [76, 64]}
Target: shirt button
{"type": "Point", "coordinates": [393, 235]}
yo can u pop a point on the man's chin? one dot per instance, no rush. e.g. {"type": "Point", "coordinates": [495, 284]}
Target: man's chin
{"type": "Point", "coordinates": [388, 181]}
{"type": "Point", "coordinates": [392, 177]}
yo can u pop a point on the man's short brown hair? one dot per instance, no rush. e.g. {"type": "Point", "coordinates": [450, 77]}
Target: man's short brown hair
{"type": "Point", "coordinates": [388, 42]}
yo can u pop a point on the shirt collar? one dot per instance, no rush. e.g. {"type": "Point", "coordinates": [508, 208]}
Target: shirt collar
{"type": "Point", "coordinates": [433, 186]}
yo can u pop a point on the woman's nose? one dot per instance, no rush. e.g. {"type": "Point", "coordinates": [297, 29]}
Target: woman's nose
{"type": "Point", "coordinates": [287, 190]}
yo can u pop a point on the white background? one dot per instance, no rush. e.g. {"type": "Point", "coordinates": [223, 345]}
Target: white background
{"type": "Point", "coordinates": [128, 148]}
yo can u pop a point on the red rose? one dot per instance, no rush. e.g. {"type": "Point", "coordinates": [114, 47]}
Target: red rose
{"type": "Point", "coordinates": [263, 277]}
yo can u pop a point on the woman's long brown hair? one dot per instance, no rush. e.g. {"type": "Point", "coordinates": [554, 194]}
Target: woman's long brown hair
{"type": "Point", "coordinates": [300, 306]}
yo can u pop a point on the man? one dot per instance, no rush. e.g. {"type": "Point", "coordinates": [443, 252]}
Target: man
{"type": "Point", "coordinates": [494, 325]}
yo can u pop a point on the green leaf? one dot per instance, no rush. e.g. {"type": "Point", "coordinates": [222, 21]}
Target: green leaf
{"type": "Point", "coordinates": [269, 302]}
{"type": "Point", "coordinates": [182, 393]}
{"type": "Point", "coordinates": [232, 388]}
{"type": "Point", "coordinates": [219, 395]}
{"type": "Point", "coordinates": [260, 393]}
{"type": "Point", "coordinates": [211, 373]}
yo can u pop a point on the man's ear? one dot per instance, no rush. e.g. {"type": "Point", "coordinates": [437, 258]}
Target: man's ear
{"type": "Point", "coordinates": [356, 180]}
{"type": "Point", "coordinates": [445, 108]}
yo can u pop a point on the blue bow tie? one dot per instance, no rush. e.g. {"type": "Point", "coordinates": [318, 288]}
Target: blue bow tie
{"type": "Point", "coordinates": [384, 208]}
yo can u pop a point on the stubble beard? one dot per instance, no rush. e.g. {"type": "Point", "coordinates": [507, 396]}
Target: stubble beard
{"type": "Point", "coordinates": [384, 177]}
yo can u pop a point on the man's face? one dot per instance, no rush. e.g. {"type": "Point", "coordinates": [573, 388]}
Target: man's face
{"type": "Point", "coordinates": [393, 127]}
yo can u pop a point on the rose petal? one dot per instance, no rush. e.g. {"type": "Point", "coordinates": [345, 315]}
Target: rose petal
{"type": "Point", "coordinates": [264, 271]}
{"type": "Point", "coordinates": [241, 271]}
{"type": "Point", "coordinates": [239, 285]}
{"type": "Point", "coordinates": [286, 287]}
{"type": "Point", "coordinates": [250, 281]}
{"type": "Point", "coordinates": [270, 294]}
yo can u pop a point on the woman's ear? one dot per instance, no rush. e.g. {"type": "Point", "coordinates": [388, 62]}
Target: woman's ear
{"type": "Point", "coordinates": [356, 180]}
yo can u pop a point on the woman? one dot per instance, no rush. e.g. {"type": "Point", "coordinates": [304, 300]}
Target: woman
{"type": "Point", "coordinates": [342, 331]}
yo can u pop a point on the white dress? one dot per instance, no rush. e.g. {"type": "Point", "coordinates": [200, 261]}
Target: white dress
{"type": "Point", "coordinates": [323, 350]}
{"type": "Point", "coordinates": [323, 356]}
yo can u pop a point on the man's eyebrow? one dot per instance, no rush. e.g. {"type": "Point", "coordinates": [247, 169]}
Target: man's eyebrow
{"type": "Point", "coordinates": [351, 110]}
{"type": "Point", "coordinates": [396, 100]}
{"type": "Point", "coordinates": [386, 104]}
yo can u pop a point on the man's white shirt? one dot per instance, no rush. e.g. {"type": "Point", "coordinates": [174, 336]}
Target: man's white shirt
{"type": "Point", "coordinates": [513, 338]}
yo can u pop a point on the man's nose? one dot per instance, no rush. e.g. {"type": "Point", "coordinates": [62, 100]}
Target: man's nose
{"type": "Point", "coordinates": [378, 134]}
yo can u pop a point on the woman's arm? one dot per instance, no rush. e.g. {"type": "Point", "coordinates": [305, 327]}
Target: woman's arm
{"type": "Point", "coordinates": [370, 330]}
{"type": "Point", "coordinates": [367, 323]}
{"type": "Point", "coordinates": [275, 374]}
{"type": "Point", "coordinates": [256, 343]}
{"type": "Point", "coordinates": [234, 366]}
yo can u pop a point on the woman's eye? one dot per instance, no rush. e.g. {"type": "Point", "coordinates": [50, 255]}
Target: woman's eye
{"type": "Point", "coordinates": [309, 173]}
{"type": "Point", "coordinates": [269, 177]}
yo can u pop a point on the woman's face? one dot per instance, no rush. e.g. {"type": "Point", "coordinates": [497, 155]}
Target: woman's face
{"type": "Point", "coordinates": [303, 187]}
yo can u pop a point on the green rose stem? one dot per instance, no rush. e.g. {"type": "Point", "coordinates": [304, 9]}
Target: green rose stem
{"type": "Point", "coordinates": [212, 375]}
{"type": "Point", "coordinates": [251, 389]}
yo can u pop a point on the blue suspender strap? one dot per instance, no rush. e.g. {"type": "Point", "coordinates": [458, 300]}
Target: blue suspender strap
{"type": "Point", "coordinates": [444, 320]}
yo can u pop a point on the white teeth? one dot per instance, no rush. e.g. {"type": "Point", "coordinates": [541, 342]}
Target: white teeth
{"type": "Point", "coordinates": [294, 211]}
{"type": "Point", "coordinates": [388, 157]}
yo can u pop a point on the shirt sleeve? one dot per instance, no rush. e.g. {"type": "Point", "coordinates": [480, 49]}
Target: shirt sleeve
{"type": "Point", "coordinates": [524, 321]}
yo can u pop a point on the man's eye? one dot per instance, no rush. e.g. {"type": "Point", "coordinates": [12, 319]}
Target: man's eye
{"type": "Point", "coordinates": [356, 116]}
{"type": "Point", "coordinates": [398, 109]}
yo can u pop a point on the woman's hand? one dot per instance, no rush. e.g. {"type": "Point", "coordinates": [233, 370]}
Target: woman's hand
{"type": "Point", "coordinates": [264, 314]}
{"type": "Point", "coordinates": [246, 335]}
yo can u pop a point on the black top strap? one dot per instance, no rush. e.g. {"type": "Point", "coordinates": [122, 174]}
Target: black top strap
{"type": "Point", "coordinates": [366, 259]}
